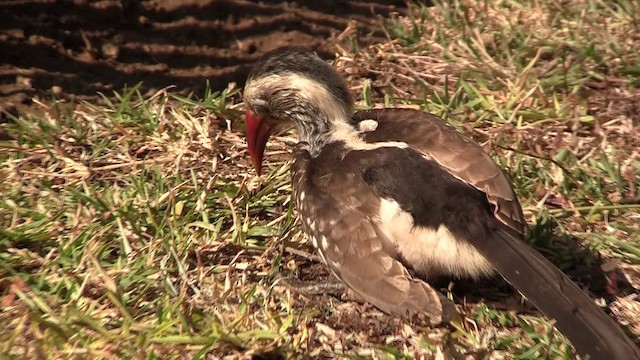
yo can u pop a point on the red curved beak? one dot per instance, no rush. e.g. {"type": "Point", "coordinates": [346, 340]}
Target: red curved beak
{"type": "Point", "coordinates": [258, 132]}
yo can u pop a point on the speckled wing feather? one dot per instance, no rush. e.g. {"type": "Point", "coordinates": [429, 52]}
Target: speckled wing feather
{"type": "Point", "coordinates": [338, 213]}
{"type": "Point", "coordinates": [462, 157]}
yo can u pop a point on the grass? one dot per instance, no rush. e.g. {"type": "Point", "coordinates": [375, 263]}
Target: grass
{"type": "Point", "coordinates": [137, 229]}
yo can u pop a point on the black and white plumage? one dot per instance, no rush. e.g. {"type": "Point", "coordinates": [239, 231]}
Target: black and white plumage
{"type": "Point", "coordinates": [386, 193]}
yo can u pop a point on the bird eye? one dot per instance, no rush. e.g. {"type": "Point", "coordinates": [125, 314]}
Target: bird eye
{"type": "Point", "coordinates": [259, 106]}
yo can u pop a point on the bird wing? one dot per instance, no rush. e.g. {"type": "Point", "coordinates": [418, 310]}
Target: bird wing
{"type": "Point", "coordinates": [460, 156]}
{"type": "Point", "coordinates": [357, 255]}
{"type": "Point", "coordinates": [339, 214]}
{"type": "Point", "coordinates": [457, 186]}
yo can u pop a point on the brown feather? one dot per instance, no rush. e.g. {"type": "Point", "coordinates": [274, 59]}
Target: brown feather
{"type": "Point", "coordinates": [462, 157]}
{"type": "Point", "coordinates": [354, 247]}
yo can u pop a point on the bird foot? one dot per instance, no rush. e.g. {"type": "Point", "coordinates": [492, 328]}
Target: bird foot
{"type": "Point", "coordinates": [449, 312]}
{"type": "Point", "coordinates": [303, 254]}
{"type": "Point", "coordinates": [336, 289]}
{"type": "Point", "coordinates": [441, 311]}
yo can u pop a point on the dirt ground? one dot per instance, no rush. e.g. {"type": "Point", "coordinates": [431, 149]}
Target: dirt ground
{"type": "Point", "coordinates": [74, 49]}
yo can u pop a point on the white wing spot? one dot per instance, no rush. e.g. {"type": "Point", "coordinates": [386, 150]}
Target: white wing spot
{"type": "Point", "coordinates": [302, 195]}
{"type": "Point", "coordinates": [367, 125]}
{"type": "Point", "coordinates": [314, 240]}
{"type": "Point", "coordinates": [324, 243]}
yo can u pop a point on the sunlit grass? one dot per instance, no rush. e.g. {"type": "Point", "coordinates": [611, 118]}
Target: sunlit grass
{"type": "Point", "coordinates": [137, 229]}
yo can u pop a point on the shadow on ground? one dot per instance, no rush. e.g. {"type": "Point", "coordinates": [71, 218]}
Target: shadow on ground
{"type": "Point", "coordinates": [71, 49]}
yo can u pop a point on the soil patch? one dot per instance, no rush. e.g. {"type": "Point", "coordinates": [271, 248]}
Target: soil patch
{"type": "Point", "coordinates": [74, 49]}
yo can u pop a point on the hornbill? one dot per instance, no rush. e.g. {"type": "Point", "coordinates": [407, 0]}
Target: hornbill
{"type": "Point", "coordinates": [391, 198]}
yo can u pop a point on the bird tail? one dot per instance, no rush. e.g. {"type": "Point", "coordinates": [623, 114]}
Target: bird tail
{"type": "Point", "coordinates": [586, 325]}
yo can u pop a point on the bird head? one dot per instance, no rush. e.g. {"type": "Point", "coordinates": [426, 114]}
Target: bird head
{"type": "Point", "coordinates": [291, 87]}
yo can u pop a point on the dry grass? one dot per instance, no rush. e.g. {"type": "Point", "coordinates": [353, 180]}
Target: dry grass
{"type": "Point", "coordinates": [138, 230]}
